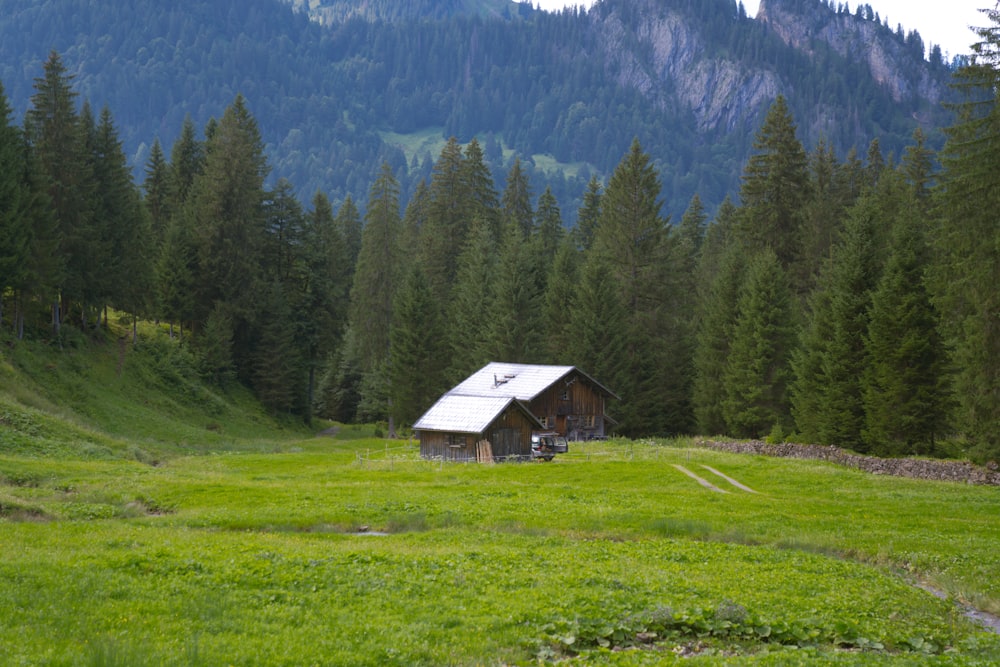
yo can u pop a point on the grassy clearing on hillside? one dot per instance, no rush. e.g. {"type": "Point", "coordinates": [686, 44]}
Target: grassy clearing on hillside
{"type": "Point", "coordinates": [158, 521]}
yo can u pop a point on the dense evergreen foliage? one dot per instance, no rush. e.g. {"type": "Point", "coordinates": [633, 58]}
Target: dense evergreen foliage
{"type": "Point", "coordinates": [842, 302]}
{"type": "Point", "coordinates": [526, 83]}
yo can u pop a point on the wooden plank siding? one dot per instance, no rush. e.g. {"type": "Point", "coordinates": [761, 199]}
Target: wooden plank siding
{"type": "Point", "coordinates": [572, 407]}
{"type": "Point", "coordinates": [509, 436]}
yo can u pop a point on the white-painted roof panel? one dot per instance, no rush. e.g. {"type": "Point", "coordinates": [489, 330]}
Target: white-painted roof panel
{"type": "Point", "coordinates": [462, 414]}
{"type": "Point", "coordinates": [521, 381]}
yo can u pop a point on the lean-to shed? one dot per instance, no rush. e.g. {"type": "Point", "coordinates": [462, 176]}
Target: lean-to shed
{"type": "Point", "coordinates": [456, 426]}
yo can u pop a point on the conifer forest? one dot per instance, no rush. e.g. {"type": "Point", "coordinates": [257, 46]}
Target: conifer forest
{"type": "Point", "coordinates": [836, 297]}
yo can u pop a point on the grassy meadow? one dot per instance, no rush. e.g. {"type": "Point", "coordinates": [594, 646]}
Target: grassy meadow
{"type": "Point", "coordinates": [148, 520]}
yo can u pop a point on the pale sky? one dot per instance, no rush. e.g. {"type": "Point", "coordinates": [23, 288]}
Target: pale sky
{"type": "Point", "coordinates": [943, 22]}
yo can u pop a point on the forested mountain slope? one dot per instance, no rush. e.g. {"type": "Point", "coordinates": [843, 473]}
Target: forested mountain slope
{"type": "Point", "coordinates": [689, 79]}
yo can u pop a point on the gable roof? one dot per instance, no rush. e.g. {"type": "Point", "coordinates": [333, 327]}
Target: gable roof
{"type": "Point", "coordinates": [521, 381]}
{"type": "Point", "coordinates": [468, 414]}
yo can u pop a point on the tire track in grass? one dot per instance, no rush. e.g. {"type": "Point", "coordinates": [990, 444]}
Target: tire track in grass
{"type": "Point", "coordinates": [729, 479]}
{"type": "Point", "coordinates": [704, 482]}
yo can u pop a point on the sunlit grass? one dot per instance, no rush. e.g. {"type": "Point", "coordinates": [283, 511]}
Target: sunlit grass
{"type": "Point", "coordinates": [132, 533]}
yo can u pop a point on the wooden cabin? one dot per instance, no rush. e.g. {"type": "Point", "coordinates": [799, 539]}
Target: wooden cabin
{"type": "Point", "coordinates": [477, 428]}
{"type": "Point", "coordinates": [504, 403]}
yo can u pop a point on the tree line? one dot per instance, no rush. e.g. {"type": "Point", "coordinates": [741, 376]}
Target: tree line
{"type": "Point", "coordinates": [536, 83]}
{"type": "Point", "coordinates": [841, 301]}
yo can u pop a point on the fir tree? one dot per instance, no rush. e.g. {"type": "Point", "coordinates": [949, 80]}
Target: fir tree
{"type": "Point", "coordinates": [416, 356]}
{"type": "Point", "coordinates": [905, 395]}
{"type": "Point", "coordinates": [560, 302]}
{"type": "Point", "coordinates": [448, 220]}
{"type": "Point", "coordinates": [968, 244]}
{"type": "Point", "coordinates": [228, 209]}
{"type": "Point", "coordinates": [187, 162]}
{"type": "Point", "coordinates": [516, 201]}
{"type": "Point", "coordinates": [278, 377]}
{"type": "Point", "coordinates": [632, 243]}
{"type": "Point", "coordinates": [376, 280]}
{"type": "Point", "coordinates": [157, 199]}
{"type": "Point", "coordinates": [470, 308]}
{"type": "Point", "coordinates": [775, 188]}
{"type": "Point", "coordinates": [717, 316]}
{"type": "Point", "coordinates": [484, 203]}
{"type": "Point", "coordinates": [58, 140]}
{"type": "Point", "coordinates": [756, 374]}
{"type": "Point", "coordinates": [15, 224]}
{"type": "Point", "coordinates": [828, 366]}
{"type": "Point", "coordinates": [589, 215]}
{"type": "Point", "coordinates": [514, 326]}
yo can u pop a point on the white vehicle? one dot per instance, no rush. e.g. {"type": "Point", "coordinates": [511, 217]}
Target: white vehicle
{"type": "Point", "coordinates": [546, 445]}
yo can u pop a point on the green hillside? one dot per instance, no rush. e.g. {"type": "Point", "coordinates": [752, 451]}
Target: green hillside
{"type": "Point", "coordinates": [111, 398]}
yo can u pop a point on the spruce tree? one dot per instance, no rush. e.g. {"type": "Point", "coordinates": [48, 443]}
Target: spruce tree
{"type": "Point", "coordinates": [448, 221]}
{"type": "Point", "coordinates": [58, 140]}
{"type": "Point", "coordinates": [560, 302]}
{"type": "Point", "coordinates": [120, 224]}
{"type": "Point", "coordinates": [905, 380]}
{"type": "Point", "coordinates": [15, 224]}
{"type": "Point", "coordinates": [323, 294]}
{"type": "Point", "coordinates": [483, 199]}
{"type": "Point", "coordinates": [469, 310]}
{"type": "Point", "coordinates": [278, 370]}
{"type": "Point", "coordinates": [775, 189]}
{"type": "Point", "coordinates": [514, 327]}
{"type": "Point", "coordinates": [377, 277]}
{"type": "Point", "coordinates": [756, 374]}
{"type": "Point", "coordinates": [826, 394]}
{"type": "Point", "coordinates": [376, 280]}
{"type": "Point", "coordinates": [516, 200]}
{"type": "Point", "coordinates": [597, 322]}
{"type": "Point", "coordinates": [968, 245]}
{"type": "Point", "coordinates": [416, 355]}
{"type": "Point", "coordinates": [632, 243]}
{"type": "Point", "coordinates": [717, 315]}
{"type": "Point", "coordinates": [589, 215]}
{"type": "Point", "coordinates": [157, 199]}
{"type": "Point", "coordinates": [187, 162]}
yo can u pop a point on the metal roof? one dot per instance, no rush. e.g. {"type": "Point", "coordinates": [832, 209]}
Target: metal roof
{"type": "Point", "coordinates": [521, 381]}
{"type": "Point", "coordinates": [473, 404]}
{"type": "Point", "coordinates": [466, 414]}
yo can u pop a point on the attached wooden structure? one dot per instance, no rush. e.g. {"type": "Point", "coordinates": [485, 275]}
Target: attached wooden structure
{"type": "Point", "coordinates": [503, 403]}
{"type": "Point", "coordinates": [476, 428]}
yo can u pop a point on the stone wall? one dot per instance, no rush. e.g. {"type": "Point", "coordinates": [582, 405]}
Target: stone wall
{"type": "Point", "coordinates": [944, 471]}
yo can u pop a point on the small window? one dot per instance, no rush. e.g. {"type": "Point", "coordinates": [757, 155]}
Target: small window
{"type": "Point", "coordinates": [544, 421]}
{"type": "Point", "coordinates": [455, 440]}
{"type": "Point", "coordinates": [564, 396]}
{"type": "Point", "coordinates": [589, 421]}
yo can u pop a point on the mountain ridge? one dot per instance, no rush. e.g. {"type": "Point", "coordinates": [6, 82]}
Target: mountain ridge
{"type": "Point", "coordinates": [691, 80]}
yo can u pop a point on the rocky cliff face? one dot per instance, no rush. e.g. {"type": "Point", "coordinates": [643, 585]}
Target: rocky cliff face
{"type": "Point", "coordinates": [803, 23]}
{"type": "Point", "coordinates": [665, 57]}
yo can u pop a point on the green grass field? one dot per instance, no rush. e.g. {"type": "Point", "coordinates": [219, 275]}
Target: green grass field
{"type": "Point", "coordinates": [216, 536]}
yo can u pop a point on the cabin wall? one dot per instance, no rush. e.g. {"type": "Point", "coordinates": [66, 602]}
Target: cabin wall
{"type": "Point", "coordinates": [572, 407]}
{"type": "Point", "coordinates": [448, 446]}
{"type": "Point", "coordinates": [509, 436]}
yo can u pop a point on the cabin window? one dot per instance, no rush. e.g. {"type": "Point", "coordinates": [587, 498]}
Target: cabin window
{"type": "Point", "coordinates": [544, 421]}
{"type": "Point", "coordinates": [455, 440]}
{"type": "Point", "coordinates": [589, 421]}
{"type": "Point", "coordinates": [564, 396]}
